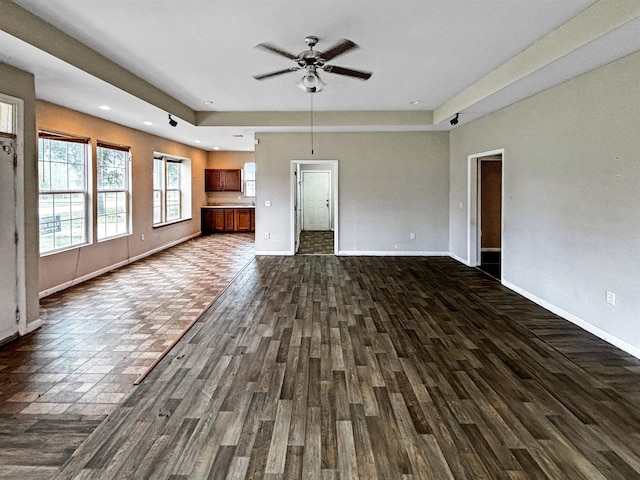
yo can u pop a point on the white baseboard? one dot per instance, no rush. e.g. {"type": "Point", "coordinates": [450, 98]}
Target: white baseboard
{"type": "Point", "coordinates": [31, 326]}
{"type": "Point", "coordinates": [394, 253]}
{"type": "Point", "coordinates": [273, 253]}
{"type": "Point", "coordinates": [96, 273]}
{"type": "Point", "coordinates": [460, 259]}
{"type": "Point", "coordinates": [607, 337]}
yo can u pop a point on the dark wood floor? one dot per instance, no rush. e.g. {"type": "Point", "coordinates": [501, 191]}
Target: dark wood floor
{"type": "Point", "coordinates": [323, 367]}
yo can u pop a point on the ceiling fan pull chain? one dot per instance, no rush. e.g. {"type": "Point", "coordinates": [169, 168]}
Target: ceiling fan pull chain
{"type": "Point", "coordinates": [311, 120]}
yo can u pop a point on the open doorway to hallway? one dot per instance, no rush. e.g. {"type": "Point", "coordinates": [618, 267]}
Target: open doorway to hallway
{"type": "Point", "coordinates": [314, 206]}
{"type": "Point", "coordinates": [490, 214]}
{"type": "Point", "coordinates": [485, 212]}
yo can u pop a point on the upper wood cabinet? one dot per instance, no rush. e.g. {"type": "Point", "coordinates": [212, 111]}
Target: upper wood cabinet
{"type": "Point", "coordinates": [222, 180]}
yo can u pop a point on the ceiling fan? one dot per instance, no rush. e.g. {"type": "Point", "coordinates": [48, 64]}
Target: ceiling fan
{"type": "Point", "coordinates": [313, 60]}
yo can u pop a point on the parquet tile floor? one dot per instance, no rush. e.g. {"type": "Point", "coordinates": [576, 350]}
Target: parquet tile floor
{"type": "Point", "coordinates": [60, 382]}
{"type": "Point", "coordinates": [324, 367]}
{"type": "Point", "coordinates": [314, 242]}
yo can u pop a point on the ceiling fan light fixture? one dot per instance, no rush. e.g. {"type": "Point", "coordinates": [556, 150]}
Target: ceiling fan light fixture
{"type": "Point", "coordinates": [311, 82]}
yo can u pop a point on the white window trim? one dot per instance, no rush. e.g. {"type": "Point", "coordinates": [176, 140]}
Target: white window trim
{"type": "Point", "coordinates": [185, 190]}
{"type": "Point", "coordinates": [128, 198]}
{"type": "Point", "coordinates": [87, 192]}
{"type": "Point", "coordinates": [247, 180]}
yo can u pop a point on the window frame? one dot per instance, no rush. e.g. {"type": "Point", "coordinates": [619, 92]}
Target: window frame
{"type": "Point", "coordinates": [126, 190]}
{"type": "Point", "coordinates": [55, 224]}
{"type": "Point", "coordinates": [249, 178]}
{"type": "Point", "coordinates": [184, 191]}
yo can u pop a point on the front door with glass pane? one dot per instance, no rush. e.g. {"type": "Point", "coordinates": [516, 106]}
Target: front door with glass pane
{"type": "Point", "coordinates": [8, 250]}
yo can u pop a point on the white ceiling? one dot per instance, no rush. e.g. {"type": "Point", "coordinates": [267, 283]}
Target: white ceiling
{"type": "Point", "coordinates": [199, 50]}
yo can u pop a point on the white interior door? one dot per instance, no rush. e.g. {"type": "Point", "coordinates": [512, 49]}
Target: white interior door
{"type": "Point", "coordinates": [316, 200]}
{"type": "Point", "coordinates": [8, 249]}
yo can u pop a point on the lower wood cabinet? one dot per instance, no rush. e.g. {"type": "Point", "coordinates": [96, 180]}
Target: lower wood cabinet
{"type": "Point", "coordinates": [242, 220]}
{"type": "Point", "coordinates": [228, 220]}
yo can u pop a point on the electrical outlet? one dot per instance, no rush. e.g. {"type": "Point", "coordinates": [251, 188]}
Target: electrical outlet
{"type": "Point", "coordinates": [267, 235]}
{"type": "Point", "coordinates": [267, 203]}
{"type": "Point", "coordinates": [413, 236]}
{"type": "Point", "coordinates": [611, 298]}
{"type": "Point", "coordinates": [142, 237]}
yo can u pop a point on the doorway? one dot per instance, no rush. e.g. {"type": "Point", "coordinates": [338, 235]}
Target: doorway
{"type": "Point", "coordinates": [490, 215]}
{"type": "Point", "coordinates": [314, 207]}
{"type": "Point", "coordinates": [486, 186]}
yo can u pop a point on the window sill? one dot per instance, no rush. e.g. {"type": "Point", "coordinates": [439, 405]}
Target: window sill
{"type": "Point", "coordinates": [172, 222]}
{"type": "Point", "coordinates": [62, 250]}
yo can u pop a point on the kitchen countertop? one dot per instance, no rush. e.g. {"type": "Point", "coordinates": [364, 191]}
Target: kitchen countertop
{"type": "Point", "coordinates": [228, 206]}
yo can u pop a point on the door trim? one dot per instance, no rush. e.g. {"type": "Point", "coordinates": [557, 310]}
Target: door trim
{"type": "Point", "coordinates": [19, 175]}
{"type": "Point", "coordinates": [333, 168]}
{"type": "Point", "coordinates": [473, 225]}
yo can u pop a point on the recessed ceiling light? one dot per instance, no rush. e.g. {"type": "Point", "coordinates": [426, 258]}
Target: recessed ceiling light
{"type": "Point", "coordinates": [208, 102]}
{"type": "Point", "coordinates": [216, 148]}
{"type": "Point", "coordinates": [106, 108]}
{"type": "Point", "coordinates": [414, 102]}
{"type": "Point", "coordinates": [148, 122]}
{"type": "Point", "coordinates": [197, 141]}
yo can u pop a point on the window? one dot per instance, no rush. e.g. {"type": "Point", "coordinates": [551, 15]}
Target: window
{"type": "Point", "coordinates": [63, 199]}
{"type": "Point", "coordinates": [113, 190]}
{"type": "Point", "coordinates": [7, 117]}
{"type": "Point", "coordinates": [171, 189]}
{"type": "Point", "coordinates": [250, 179]}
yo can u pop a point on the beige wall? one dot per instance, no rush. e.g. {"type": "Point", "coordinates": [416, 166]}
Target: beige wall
{"type": "Point", "coordinates": [571, 173]}
{"type": "Point", "coordinates": [66, 267]}
{"type": "Point", "coordinates": [19, 84]}
{"type": "Point", "coordinates": [391, 184]}
{"type": "Point", "coordinates": [229, 160]}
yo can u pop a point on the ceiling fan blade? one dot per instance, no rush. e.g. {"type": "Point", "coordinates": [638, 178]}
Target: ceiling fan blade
{"type": "Point", "coordinates": [347, 71]}
{"type": "Point", "coordinates": [272, 48]}
{"type": "Point", "coordinates": [273, 74]}
{"type": "Point", "coordinates": [341, 47]}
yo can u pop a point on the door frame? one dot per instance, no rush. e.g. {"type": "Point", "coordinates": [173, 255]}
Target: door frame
{"type": "Point", "coordinates": [19, 215]}
{"type": "Point", "coordinates": [294, 170]}
{"type": "Point", "coordinates": [302, 172]}
{"type": "Point", "coordinates": [473, 211]}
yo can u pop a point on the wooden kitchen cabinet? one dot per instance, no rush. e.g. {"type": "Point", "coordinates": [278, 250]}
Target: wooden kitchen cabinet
{"type": "Point", "coordinates": [216, 180]}
{"type": "Point", "coordinates": [228, 220]}
{"type": "Point", "coordinates": [206, 220]}
{"type": "Point", "coordinates": [242, 219]}
{"type": "Point", "coordinates": [222, 220]}
{"type": "Point", "coordinates": [229, 224]}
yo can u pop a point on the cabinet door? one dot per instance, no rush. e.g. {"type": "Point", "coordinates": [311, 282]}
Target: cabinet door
{"type": "Point", "coordinates": [253, 220]}
{"type": "Point", "coordinates": [218, 220]}
{"type": "Point", "coordinates": [206, 222]}
{"type": "Point", "coordinates": [228, 219]}
{"type": "Point", "coordinates": [243, 220]}
{"type": "Point", "coordinates": [213, 180]}
{"type": "Point", "coordinates": [232, 180]}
